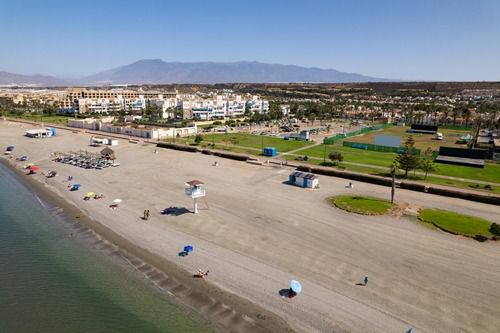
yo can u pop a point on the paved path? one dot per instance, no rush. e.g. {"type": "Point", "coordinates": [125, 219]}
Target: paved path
{"type": "Point", "coordinates": [292, 152]}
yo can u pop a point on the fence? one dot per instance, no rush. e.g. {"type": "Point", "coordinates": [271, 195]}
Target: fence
{"type": "Point", "coordinates": [369, 146]}
{"type": "Point", "coordinates": [333, 139]}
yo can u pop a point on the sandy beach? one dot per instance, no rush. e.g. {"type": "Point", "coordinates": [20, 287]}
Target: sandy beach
{"type": "Point", "coordinates": [255, 233]}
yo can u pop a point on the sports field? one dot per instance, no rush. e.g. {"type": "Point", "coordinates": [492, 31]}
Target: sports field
{"type": "Point", "coordinates": [422, 141]}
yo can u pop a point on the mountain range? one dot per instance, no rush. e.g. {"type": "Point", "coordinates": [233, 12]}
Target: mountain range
{"type": "Point", "coordinates": [156, 71]}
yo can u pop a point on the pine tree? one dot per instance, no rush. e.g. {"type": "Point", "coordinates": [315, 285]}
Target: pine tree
{"type": "Point", "coordinates": [427, 162]}
{"type": "Point", "coordinates": [408, 159]}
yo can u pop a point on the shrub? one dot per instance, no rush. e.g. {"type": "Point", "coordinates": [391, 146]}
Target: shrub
{"type": "Point", "coordinates": [329, 164]}
{"type": "Point", "coordinates": [198, 138]}
{"type": "Point", "coordinates": [306, 158]}
{"type": "Point", "coordinates": [336, 156]}
{"type": "Point", "coordinates": [495, 229]}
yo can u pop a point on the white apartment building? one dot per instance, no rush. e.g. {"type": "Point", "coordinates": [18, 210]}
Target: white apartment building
{"type": "Point", "coordinates": [82, 100]}
{"type": "Point", "coordinates": [192, 106]}
{"type": "Point", "coordinates": [257, 105]}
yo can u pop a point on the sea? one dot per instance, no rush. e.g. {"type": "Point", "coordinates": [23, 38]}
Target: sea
{"type": "Point", "coordinates": [54, 280]}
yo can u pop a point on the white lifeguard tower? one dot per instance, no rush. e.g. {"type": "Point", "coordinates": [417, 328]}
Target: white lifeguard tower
{"type": "Point", "coordinates": [194, 189]}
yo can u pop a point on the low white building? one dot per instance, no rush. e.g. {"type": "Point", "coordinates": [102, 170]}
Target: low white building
{"type": "Point", "coordinates": [90, 123]}
{"type": "Point", "coordinates": [156, 133]}
{"type": "Point", "coordinates": [40, 133]}
{"type": "Point", "coordinates": [306, 180]}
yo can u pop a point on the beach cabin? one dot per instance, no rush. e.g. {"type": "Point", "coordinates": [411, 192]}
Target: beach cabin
{"type": "Point", "coordinates": [306, 180]}
{"type": "Point", "coordinates": [40, 132]}
{"type": "Point", "coordinates": [269, 151]}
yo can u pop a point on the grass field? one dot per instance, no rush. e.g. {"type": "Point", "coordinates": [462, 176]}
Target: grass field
{"type": "Point", "coordinates": [456, 223]}
{"type": "Point", "coordinates": [422, 141]}
{"type": "Point", "coordinates": [57, 120]}
{"type": "Point", "coordinates": [361, 204]}
{"type": "Point", "coordinates": [256, 142]}
{"type": "Point", "coordinates": [490, 173]}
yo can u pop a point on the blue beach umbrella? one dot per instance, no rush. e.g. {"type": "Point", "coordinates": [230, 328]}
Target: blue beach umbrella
{"type": "Point", "coordinates": [188, 248]}
{"type": "Point", "coordinates": [296, 286]}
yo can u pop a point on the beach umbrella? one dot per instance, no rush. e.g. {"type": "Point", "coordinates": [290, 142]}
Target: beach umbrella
{"type": "Point", "coordinates": [34, 168]}
{"type": "Point", "coordinates": [117, 200]}
{"type": "Point", "coordinates": [89, 194]}
{"type": "Point", "coordinates": [188, 248]}
{"type": "Point", "coordinates": [295, 286]}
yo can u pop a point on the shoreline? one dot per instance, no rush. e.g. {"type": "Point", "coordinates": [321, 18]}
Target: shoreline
{"type": "Point", "coordinates": [207, 300]}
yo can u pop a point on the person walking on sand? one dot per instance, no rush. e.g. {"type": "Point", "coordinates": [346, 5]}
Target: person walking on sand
{"type": "Point", "coordinates": [144, 214]}
{"type": "Point", "coordinates": [365, 280]}
{"type": "Point", "coordinates": [147, 214]}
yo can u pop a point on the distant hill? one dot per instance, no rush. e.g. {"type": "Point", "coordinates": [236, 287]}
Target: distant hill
{"type": "Point", "coordinates": [157, 71]}
{"type": "Point", "coordinates": [7, 78]}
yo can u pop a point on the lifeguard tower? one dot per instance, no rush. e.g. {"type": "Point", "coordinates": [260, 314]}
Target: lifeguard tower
{"type": "Point", "coordinates": [194, 190]}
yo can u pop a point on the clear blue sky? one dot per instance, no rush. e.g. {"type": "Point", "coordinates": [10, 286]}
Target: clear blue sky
{"type": "Point", "coordinates": [403, 39]}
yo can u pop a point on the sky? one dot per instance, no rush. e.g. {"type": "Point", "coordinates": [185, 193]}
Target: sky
{"type": "Point", "coordinates": [446, 40]}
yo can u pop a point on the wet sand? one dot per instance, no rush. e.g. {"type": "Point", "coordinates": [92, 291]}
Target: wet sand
{"type": "Point", "coordinates": [255, 234]}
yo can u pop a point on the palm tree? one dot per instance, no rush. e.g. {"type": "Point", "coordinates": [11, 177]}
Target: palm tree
{"type": "Point", "coordinates": [455, 112]}
{"type": "Point", "coordinates": [466, 113]}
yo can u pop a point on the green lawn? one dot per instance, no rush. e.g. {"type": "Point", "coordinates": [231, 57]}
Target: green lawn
{"type": "Point", "coordinates": [351, 154]}
{"type": "Point", "coordinates": [361, 204]}
{"type": "Point", "coordinates": [456, 223]}
{"type": "Point", "coordinates": [247, 140]}
{"type": "Point", "coordinates": [57, 120]}
{"type": "Point", "coordinates": [490, 173]}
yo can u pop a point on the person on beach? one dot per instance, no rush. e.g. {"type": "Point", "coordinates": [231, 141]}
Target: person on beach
{"type": "Point", "coordinates": [365, 280]}
{"type": "Point", "coordinates": [202, 274]}
{"type": "Point", "coordinates": [144, 215]}
{"type": "Point", "coordinates": [147, 214]}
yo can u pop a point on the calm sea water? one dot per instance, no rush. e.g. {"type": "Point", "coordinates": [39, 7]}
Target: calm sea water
{"type": "Point", "coordinates": [50, 282]}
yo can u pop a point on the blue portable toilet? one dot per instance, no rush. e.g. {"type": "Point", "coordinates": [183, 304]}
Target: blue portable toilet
{"type": "Point", "coordinates": [52, 131]}
{"type": "Point", "coordinates": [269, 151]}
